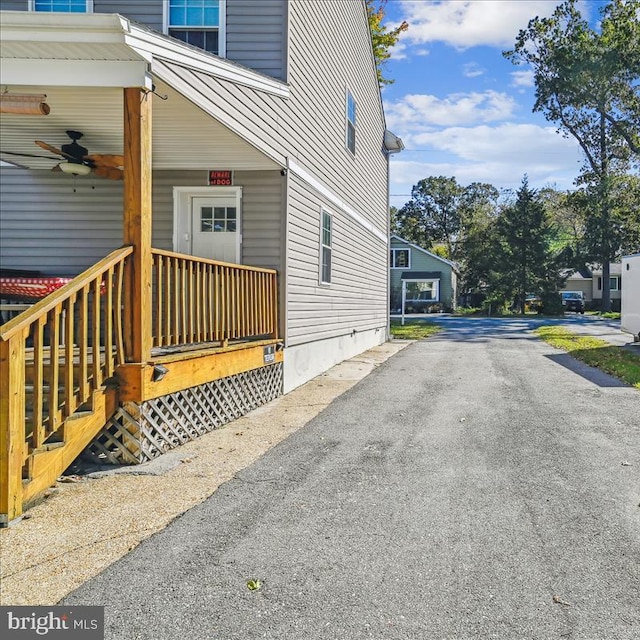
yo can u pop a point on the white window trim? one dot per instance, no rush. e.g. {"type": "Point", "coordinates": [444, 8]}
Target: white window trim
{"type": "Point", "coordinates": [222, 27]}
{"type": "Point", "coordinates": [182, 197]}
{"type": "Point", "coordinates": [393, 260]}
{"type": "Point", "coordinates": [347, 121]}
{"type": "Point", "coordinates": [435, 281]}
{"type": "Point", "coordinates": [324, 283]}
{"type": "Point", "coordinates": [32, 7]}
{"type": "Point", "coordinates": [617, 279]}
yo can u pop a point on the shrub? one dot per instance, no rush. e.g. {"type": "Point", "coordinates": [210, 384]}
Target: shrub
{"type": "Point", "coordinates": [551, 304]}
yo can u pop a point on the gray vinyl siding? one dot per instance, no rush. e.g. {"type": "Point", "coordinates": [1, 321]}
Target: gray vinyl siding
{"type": "Point", "coordinates": [319, 76]}
{"type": "Point", "coordinates": [421, 261]}
{"type": "Point", "coordinates": [14, 6]}
{"type": "Point", "coordinates": [61, 232]}
{"type": "Point", "coordinates": [147, 12]}
{"type": "Point", "coordinates": [356, 298]}
{"type": "Point", "coordinates": [256, 35]}
{"type": "Point", "coordinates": [48, 227]}
{"type": "Point", "coordinates": [262, 218]}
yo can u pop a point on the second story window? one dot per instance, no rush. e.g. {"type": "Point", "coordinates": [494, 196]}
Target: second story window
{"type": "Point", "coordinates": [196, 22]}
{"type": "Point", "coordinates": [400, 259]}
{"type": "Point", "coordinates": [351, 123]}
{"type": "Point", "coordinates": [63, 6]}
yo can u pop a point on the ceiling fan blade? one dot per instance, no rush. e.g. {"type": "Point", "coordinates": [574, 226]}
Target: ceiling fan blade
{"type": "Point", "coordinates": [27, 155]}
{"type": "Point", "coordinates": [106, 160]}
{"type": "Point", "coordinates": [112, 173]}
{"type": "Point", "coordinates": [48, 147]}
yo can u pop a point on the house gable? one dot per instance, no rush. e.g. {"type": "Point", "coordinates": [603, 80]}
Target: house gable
{"type": "Point", "coordinates": [424, 265]}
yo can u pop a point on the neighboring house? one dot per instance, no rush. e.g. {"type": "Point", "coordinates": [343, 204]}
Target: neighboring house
{"type": "Point", "coordinates": [615, 284]}
{"type": "Point", "coordinates": [589, 281]}
{"type": "Point", "coordinates": [244, 251]}
{"type": "Point", "coordinates": [425, 281]}
{"type": "Point", "coordinates": [579, 280]}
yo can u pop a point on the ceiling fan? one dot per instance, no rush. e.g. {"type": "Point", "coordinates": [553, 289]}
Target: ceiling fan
{"type": "Point", "coordinates": [77, 160]}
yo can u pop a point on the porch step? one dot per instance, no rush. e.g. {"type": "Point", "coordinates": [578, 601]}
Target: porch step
{"type": "Point", "coordinates": [47, 463]}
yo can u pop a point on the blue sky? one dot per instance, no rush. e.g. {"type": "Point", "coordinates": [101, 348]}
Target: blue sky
{"type": "Point", "coordinates": [462, 109]}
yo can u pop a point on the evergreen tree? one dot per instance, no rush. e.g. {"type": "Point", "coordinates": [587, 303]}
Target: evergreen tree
{"type": "Point", "coordinates": [523, 261]}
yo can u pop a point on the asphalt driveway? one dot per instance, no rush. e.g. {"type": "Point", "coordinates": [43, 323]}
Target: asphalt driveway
{"type": "Point", "coordinates": [479, 484]}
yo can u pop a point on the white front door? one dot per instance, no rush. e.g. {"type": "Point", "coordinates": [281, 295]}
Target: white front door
{"type": "Point", "coordinates": [209, 223]}
{"type": "Point", "coordinates": [215, 228]}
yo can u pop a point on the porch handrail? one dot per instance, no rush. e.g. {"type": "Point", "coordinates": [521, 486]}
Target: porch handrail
{"type": "Point", "coordinates": [198, 300]}
{"type": "Point", "coordinates": [41, 308]}
{"type": "Point", "coordinates": [53, 356]}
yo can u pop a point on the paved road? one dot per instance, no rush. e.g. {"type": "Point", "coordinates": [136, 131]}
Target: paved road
{"type": "Point", "coordinates": [477, 485]}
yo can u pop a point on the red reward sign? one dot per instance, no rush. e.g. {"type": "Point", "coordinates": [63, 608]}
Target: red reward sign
{"type": "Point", "coordinates": [221, 178]}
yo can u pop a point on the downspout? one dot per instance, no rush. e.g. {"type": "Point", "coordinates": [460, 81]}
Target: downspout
{"type": "Point", "coordinates": [391, 144]}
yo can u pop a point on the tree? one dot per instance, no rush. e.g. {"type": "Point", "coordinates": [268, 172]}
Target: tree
{"type": "Point", "coordinates": [382, 38]}
{"type": "Point", "coordinates": [476, 245]}
{"type": "Point", "coordinates": [523, 258]}
{"type": "Point", "coordinates": [432, 215]}
{"type": "Point", "coordinates": [587, 82]}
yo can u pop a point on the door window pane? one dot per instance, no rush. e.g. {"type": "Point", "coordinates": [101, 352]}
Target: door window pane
{"type": "Point", "coordinates": [206, 219]}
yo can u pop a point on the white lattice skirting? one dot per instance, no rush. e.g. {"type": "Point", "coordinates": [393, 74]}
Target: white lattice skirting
{"type": "Point", "coordinates": [140, 432]}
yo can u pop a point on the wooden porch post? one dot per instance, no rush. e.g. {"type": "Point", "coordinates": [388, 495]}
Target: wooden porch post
{"type": "Point", "coordinates": [137, 223]}
{"type": "Point", "coordinates": [12, 411]}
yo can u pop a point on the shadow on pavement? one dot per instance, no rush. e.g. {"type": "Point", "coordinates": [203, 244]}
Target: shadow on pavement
{"type": "Point", "coordinates": [591, 374]}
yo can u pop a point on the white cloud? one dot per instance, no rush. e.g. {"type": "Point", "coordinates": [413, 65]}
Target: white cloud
{"type": "Point", "coordinates": [467, 23]}
{"type": "Point", "coordinates": [499, 155]}
{"type": "Point", "coordinates": [473, 70]}
{"type": "Point", "coordinates": [522, 78]}
{"type": "Point", "coordinates": [506, 142]}
{"type": "Point", "coordinates": [419, 111]}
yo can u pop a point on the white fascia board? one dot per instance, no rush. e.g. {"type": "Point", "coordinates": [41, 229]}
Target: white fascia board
{"type": "Point", "coordinates": [76, 28]}
{"type": "Point", "coordinates": [302, 173]}
{"type": "Point", "coordinates": [75, 73]}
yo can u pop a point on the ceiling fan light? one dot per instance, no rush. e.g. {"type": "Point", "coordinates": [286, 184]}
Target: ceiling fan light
{"type": "Point", "coordinates": [74, 168]}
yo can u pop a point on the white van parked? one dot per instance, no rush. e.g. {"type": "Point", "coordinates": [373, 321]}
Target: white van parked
{"type": "Point", "coordinates": [630, 310]}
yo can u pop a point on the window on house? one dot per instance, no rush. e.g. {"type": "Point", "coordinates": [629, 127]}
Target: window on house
{"type": "Point", "coordinates": [66, 6]}
{"type": "Point", "coordinates": [599, 283]}
{"type": "Point", "coordinates": [400, 259]}
{"type": "Point", "coordinates": [614, 283]}
{"type": "Point", "coordinates": [351, 123]}
{"type": "Point", "coordinates": [325, 248]}
{"type": "Point", "coordinates": [196, 22]}
{"type": "Point", "coordinates": [423, 291]}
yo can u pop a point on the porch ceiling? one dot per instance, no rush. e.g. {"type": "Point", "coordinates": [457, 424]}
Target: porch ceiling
{"type": "Point", "coordinates": [184, 136]}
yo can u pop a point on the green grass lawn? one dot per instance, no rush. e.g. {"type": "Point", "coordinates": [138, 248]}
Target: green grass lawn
{"type": "Point", "coordinates": [413, 329]}
{"type": "Point", "coordinates": [610, 315]}
{"type": "Point", "coordinates": [596, 353]}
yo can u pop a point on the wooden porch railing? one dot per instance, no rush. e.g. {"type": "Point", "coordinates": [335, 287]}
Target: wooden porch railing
{"type": "Point", "coordinates": [54, 355]}
{"type": "Point", "coordinates": [197, 301]}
